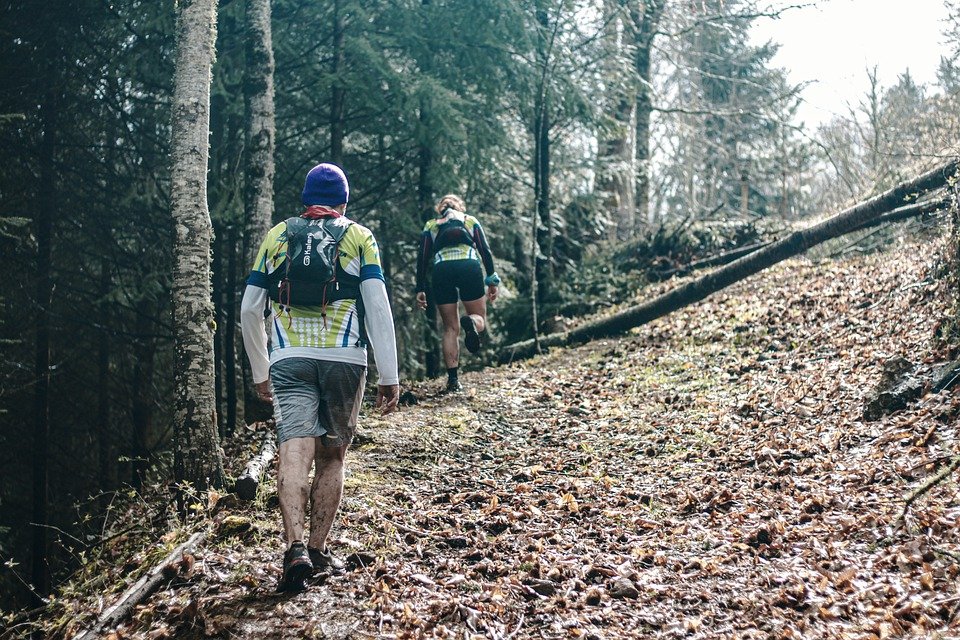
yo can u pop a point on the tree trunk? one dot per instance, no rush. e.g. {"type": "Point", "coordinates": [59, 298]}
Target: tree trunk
{"type": "Point", "coordinates": [851, 219]}
{"type": "Point", "coordinates": [46, 201]}
{"type": "Point", "coordinates": [616, 175]}
{"type": "Point", "coordinates": [744, 193]}
{"type": "Point", "coordinates": [425, 194]}
{"type": "Point", "coordinates": [543, 258]}
{"type": "Point", "coordinates": [897, 215]}
{"type": "Point", "coordinates": [249, 481]}
{"type": "Point", "coordinates": [784, 164]}
{"type": "Point", "coordinates": [386, 256]}
{"type": "Point", "coordinates": [231, 341]}
{"type": "Point", "coordinates": [337, 90]}
{"type": "Point", "coordinates": [714, 261]}
{"type": "Point", "coordinates": [952, 330]}
{"type": "Point", "coordinates": [145, 349]}
{"type": "Point", "coordinates": [197, 457]}
{"type": "Point", "coordinates": [542, 188]}
{"type": "Point", "coordinates": [219, 246]}
{"type": "Point", "coordinates": [105, 447]}
{"type": "Point", "coordinates": [260, 133]}
{"type": "Point", "coordinates": [646, 22]}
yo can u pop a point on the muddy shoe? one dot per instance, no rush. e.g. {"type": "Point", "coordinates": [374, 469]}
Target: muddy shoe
{"type": "Point", "coordinates": [454, 386]}
{"type": "Point", "coordinates": [470, 336]}
{"type": "Point", "coordinates": [326, 561]}
{"type": "Point", "coordinates": [296, 568]}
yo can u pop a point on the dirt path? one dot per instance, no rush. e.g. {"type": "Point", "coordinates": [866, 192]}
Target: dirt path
{"type": "Point", "coordinates": [708, 476]}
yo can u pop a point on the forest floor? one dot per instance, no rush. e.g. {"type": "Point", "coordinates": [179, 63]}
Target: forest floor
{"type": "Point", "coordinates": [709, 475]}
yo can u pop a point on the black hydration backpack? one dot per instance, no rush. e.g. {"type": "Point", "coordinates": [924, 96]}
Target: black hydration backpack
{"type": "Point", "coordinates": [311, 274]}
{"type": "Point", "coordinates": [451, 233]}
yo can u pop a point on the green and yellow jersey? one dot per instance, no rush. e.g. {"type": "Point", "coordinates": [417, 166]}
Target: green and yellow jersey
{"type": "Point", "coordinates": [305, 327]}
{"type": "Point", "coordinates": [427, 254]}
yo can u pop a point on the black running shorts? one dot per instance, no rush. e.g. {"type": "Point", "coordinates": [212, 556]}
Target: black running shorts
{"type": "Point", "coordinates": [451, 276]}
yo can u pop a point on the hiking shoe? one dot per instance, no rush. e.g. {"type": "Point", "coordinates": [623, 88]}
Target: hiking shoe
{"type": "Point", "coordinates": [326, 561]}
{"type": "Point", "coordinates": [470, 336]}
{"type": "Point", "coordinates": [454, 386]}
{"type": "Point", "coordinates": [296, 569]}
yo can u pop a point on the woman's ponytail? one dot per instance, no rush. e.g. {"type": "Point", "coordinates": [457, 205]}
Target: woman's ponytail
{"type": "Point", "coordinates": [450, 201]}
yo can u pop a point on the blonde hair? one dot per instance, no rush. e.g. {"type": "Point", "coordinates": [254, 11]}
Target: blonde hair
{"type": "Point", "coordinates": [451, 201]}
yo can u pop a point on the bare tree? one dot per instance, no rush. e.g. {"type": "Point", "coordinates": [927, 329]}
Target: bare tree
{"type": "Point", "coordinates": [197, 457]}
{"type": "Point", "coordinates": [645, 22]}
{"type": "Point", "coordinates": [615, 179]}
{"type": "Point", "coordinates": [260, 135]}
{"type": "Point", "coordinates": [261, 129]}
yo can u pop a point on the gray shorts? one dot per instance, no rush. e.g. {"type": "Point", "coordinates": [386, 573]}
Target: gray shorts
{"type": "Point", "coordinates": [317, 399]}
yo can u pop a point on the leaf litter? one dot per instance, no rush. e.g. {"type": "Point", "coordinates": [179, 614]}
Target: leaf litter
{"type": "Point", "coordinates": [709, 475]}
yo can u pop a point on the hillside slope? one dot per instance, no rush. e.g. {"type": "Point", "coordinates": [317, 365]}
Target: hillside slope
{"type": "Point", "coordinates": [707, 476]}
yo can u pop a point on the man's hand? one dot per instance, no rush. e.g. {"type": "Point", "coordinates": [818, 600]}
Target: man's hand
{"type": "Point", "coordinates": [492, 293]}
{"type": "Point", "coordinates": [387, 396]}
{"type": "Point", "coordinates": [421, 300]}
{"type": "Point", "coordinates": [263, 390]}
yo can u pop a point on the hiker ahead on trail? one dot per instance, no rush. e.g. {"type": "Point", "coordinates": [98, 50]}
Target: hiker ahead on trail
{"type": "Point", "coordinates": [322, 272]}
{"type": "Point", "coordinates": [454, 243]}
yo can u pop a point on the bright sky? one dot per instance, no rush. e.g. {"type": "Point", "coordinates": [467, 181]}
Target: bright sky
{"type": "Point", "coordinates": [834, 42]}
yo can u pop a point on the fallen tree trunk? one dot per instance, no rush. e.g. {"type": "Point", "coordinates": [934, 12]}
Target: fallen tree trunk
{"type": "Point", "coordinates": [929, 484]}
{"type": "Point", "coordinates": [141, 589]}
{"type": "Point", "coordinates": [851, 219]}
{"type": "Point", "coordinates": [897, 215]}
{"type": "Point", "coordinates": [715, 261]}
{"type": "Point", "coordinates": [906, 212]}
{"type": "Point", "coordinates": [248, 483]}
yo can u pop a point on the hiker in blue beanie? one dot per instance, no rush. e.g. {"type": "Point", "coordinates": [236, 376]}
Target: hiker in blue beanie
{"type": "Point", "coordinates": [454, 243]}
{"type": "Point", "coordinates": [320, 278]}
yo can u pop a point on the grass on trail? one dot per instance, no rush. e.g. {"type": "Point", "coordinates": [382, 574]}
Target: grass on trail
{"type": "Point", "coordinates": [707, 476]}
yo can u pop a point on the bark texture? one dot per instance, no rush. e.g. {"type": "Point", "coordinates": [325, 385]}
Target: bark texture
{"type": "Point", "coordinates": [197, 456]}
{"type": "Point", "coordinates": [217, 271]}
{"type": "Point", "coordinates": [233, 341]}
{"type": "Point", "coordinates": [249, 481]}
{"type": "Point", "coordinates": [261, 131]}
{"type": "Point", "coordinates": [794, 244]}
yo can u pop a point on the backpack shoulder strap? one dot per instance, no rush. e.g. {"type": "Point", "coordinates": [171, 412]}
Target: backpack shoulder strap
{"type": "Point", "coordinates": [295, 225]}
{"type": "Point", "coordinates": [340, 229]}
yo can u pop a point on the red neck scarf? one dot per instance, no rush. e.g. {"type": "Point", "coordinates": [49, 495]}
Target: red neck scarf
{"type": "Point", "coordinates": [319, 211]}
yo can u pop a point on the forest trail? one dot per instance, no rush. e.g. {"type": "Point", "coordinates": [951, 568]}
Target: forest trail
{"type": "Point", "coordinates": [707, 476]}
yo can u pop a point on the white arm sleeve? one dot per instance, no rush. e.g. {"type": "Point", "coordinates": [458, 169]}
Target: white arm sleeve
{"type": "Point", "coordinates": [254, 335]}
{"type": "Point", "coordinates": [378, 320]}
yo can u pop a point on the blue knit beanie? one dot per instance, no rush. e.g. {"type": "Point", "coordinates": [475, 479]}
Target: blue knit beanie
{"type": "Point", "coordinates": [326, 184]}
